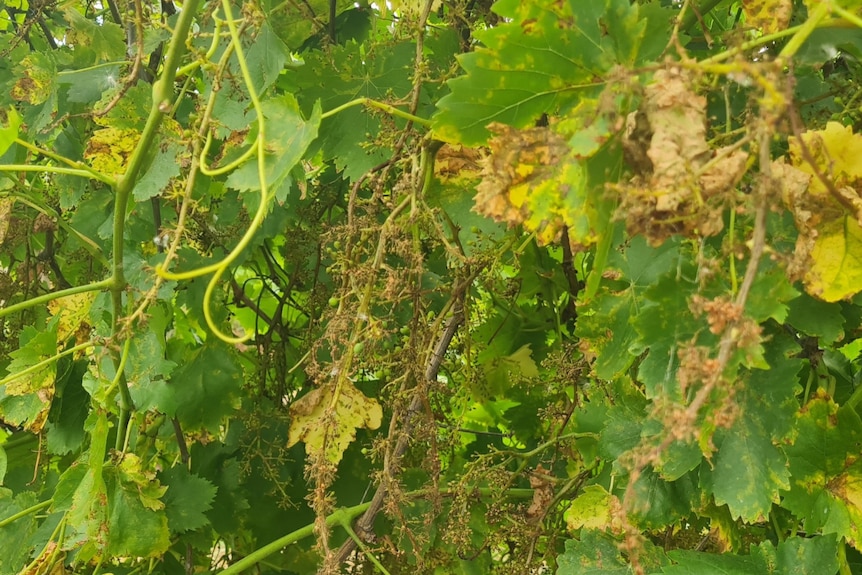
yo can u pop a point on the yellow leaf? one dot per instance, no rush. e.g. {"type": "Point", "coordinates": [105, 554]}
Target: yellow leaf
{"type": "Point", "coordinates": [835, 272]}
{"type": "Point", "coordinates": [829, 246]}
{"type": "Point", "coordinates": [835, 150]}
{"type": "Point", "coordinates": [769, 16]}
{"type": "Point", "coordinates": [591, 509]}
{"type": "Point", "coordinates": [327, 424]}
{"type": "Point", "coordinates": [73, 312]}
{"type": "Point", "coordinates": [109, 149]}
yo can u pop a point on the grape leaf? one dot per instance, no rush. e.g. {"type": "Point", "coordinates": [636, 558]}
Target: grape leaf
{"type": "Point", "coordinates": [543, 59]}
{"type": "Point", "coordinates": [594, 554]}
{"type": "Point", "coordinates": [266, 58]}
{"type": "Point", "coordinates": [807, 555]}
{"type": "Point", "coordinates": [748, 469]}
{"type": "Point", "coordinates": [137, 525]}
{"type": "Point", "coordinates": [609, 328]}
{"type": "Point", "coordinates": [106, 39]}
{"type": "Point", "coordinates": [826, 472]}
{"type": "Point", "coordinates": [831, 241]}
{"type": "Point", "coordinates": [88, 85]}
{"type": "Point", "coordinates": [165, 165]}
{"type": "Point", "coordinates": [72, 313]}
{"type": "Point", "coordinates": [768, 16]}
{"type": "Point", "coordinates": [187, 500]}
{"type": "Point", "coordinates": [590, 509]}
{"type": "Point", "coordinates": [27, 399]}
{"type": "Point", "coordinates": [201, 392]}
{"type": "Point", "coordinates": [379, 75]}
{"type": "Point", "coordinates": [327, 424]}
{"type": "Point", "coordinates": [688, 562]}
{"type": "Point", "coordinates": [37, 76]}
{"type": "Point", "coordinates": [816, 318]}
{"type": "Point", "coordinates": [15, 537]}
{"type": "Point", "coordinates": [836, 270]}
{"type": "Point", "coordinates": [287, 137]}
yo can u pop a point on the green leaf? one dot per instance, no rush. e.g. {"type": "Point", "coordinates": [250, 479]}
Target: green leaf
{"type": "Point", "coordinates": [748, 469]}
{"type": "Point", "coordinates": [348, 138]}
{"type": "Point", "coordinates": [65, 428]}
{"type": "Point", "coordinates": [594, 554]}
{"type": "Point", "coordinates": [88, 85]}
{"type": "Point", "coordinates": [689, 562]}
{"type": "Point", "coordinates": [543, 59]}
{"type": "Point", "coordinates": [106, 39]}
{"type": "Point", "coordinates": [664, 322]}
{"type": "Point", "coordinates": [266, 58]}
{"type": "Point", "coordinates": [15, 538]}
{"type": "Point", "coordinates": [609, 328]}
{"type": "Point", "coordinates": [659, 503]}
{"type": "Point", "coordinates": [769, 295]}
{"type": "Point", "coordinates": [187, 500]}
{"type": "Point", "coordinates": [166, 165]}
{"type": "Point", "coordinates": [816, 318]}
{"type": "Point", "coordinates": [206, 388]}
{"type": "Point", "coordinates": [816, 555]}
{"type": "Point", "coordinates": [137, 525]}
{"type": "Point", "coordinates": [288, 135]}
{"type": "Point", "coordinates": [11, 121]}
{"type": "Point", "coordinates": [826, 473]}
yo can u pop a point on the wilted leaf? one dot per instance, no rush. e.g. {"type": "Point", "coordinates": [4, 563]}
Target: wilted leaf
{"type": "Point", "coordinates": [829, 246]}
{"type": "Point", "coordinates": [681, 182]}
{"type": "Point", "coordinates": [533, 179]}
{"type": "Point", "coordinates": [27, 399]}
{"type": "Point", "coordinates": [73, 315]}
{"type": "Point", "coordinates": [327, 424]}
{"type": "Point", "coordinates": [37, 75]}
{"type": "Point", "coordinates": [825, 469]}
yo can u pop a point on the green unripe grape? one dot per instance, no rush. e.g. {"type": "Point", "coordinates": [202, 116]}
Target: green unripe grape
{"type": "Point", "coordinates": [358, 347]}
{"type": "Point", "coordinates": [333, 302]}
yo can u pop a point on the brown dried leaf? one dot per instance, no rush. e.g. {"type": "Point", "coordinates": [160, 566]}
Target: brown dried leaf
{"type": "Point", "coordinates": [680, 182]}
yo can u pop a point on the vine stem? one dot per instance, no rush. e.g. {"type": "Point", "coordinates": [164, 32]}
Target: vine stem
{"type": "Point", "coordinates": [259, 148]}
{"type": "Point", "coordinates": [45, 298]}
{"type": "Point", "coordinates": [58, 170]}
{"type": "Point", "coordinates": [162, 92]}
{"type": "Point", "coordinates": [46, 362]}
{"type": "Point", "coordinates": [375, 104]}
{"type": "Point", "coordinates": [25, 512]}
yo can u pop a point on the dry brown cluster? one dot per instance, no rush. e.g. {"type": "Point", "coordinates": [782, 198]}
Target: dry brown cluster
{"type": "Point", "coordinates": [680, 184]}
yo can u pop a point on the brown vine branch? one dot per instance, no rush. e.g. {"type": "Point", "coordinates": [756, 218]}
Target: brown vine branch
{"type": "Point", "coordinates": [364, 526]}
